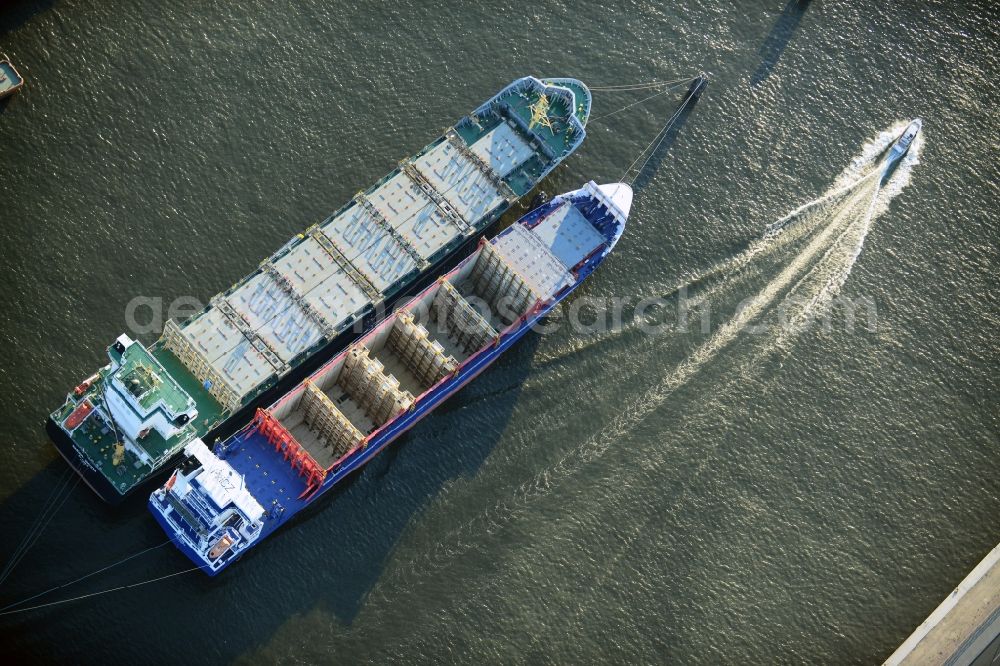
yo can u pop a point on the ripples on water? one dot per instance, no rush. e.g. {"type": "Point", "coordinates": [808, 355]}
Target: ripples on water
{"type": "Point", "coordinates": [589, 496]}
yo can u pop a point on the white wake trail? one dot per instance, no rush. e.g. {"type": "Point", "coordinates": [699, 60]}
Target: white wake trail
{"type": "Point", "coordinates": [777, 235]}
{"type": "Point", "coordinates": [823, 300]}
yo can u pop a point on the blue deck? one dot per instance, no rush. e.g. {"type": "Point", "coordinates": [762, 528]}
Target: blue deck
{"type": "Point", "coordinates": [269, 477]}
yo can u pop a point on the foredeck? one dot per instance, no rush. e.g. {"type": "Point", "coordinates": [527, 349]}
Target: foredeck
{"type": "Point", "coordinates": [581, 94]}
{"type": "Point", "coordinates": [557, 137]}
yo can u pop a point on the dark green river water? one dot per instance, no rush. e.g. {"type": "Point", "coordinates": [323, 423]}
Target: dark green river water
{"type": "Point", "coordinates": [689, 497]}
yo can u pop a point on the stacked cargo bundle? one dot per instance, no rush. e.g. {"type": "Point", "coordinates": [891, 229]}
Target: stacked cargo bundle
{"type": "Point", "coordinates": [377, 393]}
{"type": "Point", "coordinates": [425, 358]}
{"type": "Point", "coordinates": [495, 281]}
{"type": "Point", "coordinates": [464, 324]}
{"type": "Point", "coordinates": [328, 422]}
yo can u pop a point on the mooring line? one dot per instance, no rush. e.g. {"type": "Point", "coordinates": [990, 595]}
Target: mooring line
{"type": "Point", "coordinates": [95, 594]}
{"type": "Point", "coordinates": [626, 87]}
{"type": "Point", "coordinates": [46, 505]}
{"type": "Point", "coordinates": [644, 99]}
{"type": "Point", "coordinates": [659, 138]}
{"type": "Point", "coordinates": [77, 580]}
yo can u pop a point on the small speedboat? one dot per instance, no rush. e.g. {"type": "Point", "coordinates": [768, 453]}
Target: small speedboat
{"type": "Point", "coordinates": [903, 143]}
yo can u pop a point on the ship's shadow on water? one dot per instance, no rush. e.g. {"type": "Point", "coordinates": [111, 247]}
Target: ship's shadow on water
{"type": "Point", "coordinates": [777, 39]}
{"type": "Point", "coordinates": [12, 16]}
{"type": "Point", "coordinates": [15, 14]}
{"type": "Point", "coordinates": [329, 557]}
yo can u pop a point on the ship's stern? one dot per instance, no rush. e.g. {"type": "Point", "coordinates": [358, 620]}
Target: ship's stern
{"type": "Point", "coordinates": [207, 511]}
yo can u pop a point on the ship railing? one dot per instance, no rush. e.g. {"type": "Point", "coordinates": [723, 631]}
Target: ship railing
{"type": "Point", "coordinates": [290, 449]}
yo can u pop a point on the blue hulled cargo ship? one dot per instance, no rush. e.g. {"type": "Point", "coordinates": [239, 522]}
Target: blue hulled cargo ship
{"type": "Point", "coordinates": [204, 377]}
{"type": "Point", "coordinates": [222, 501]}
